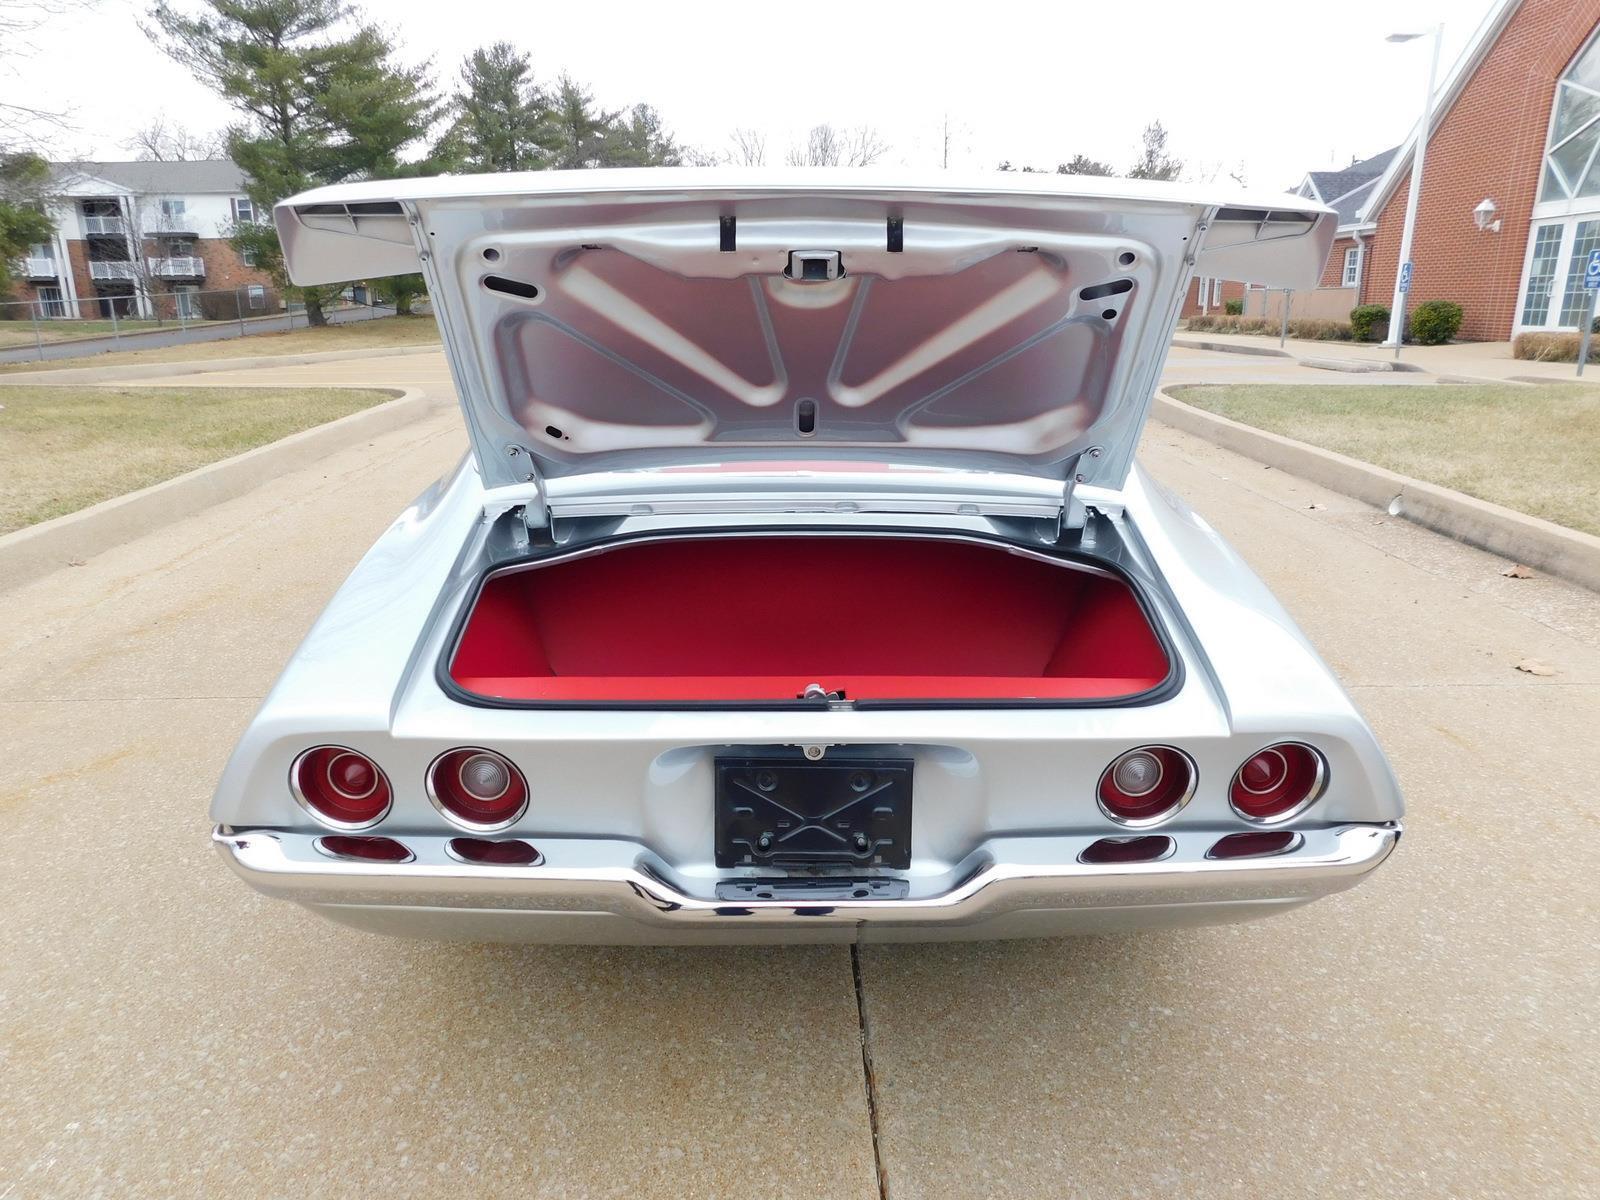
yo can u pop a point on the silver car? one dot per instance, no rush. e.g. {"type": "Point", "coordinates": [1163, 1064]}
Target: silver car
{"type": "Point", "coordinates": [801, 584]}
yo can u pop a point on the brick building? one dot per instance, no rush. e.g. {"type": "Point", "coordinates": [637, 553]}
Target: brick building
{"type": "Point", "coordinates": [145, 239]}
{"type": "Point", "coordinates": [1510, 203]}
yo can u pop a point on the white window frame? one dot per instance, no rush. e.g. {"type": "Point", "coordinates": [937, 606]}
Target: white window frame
{"type": "Point", "coordinates": [51, 307]}
{"type": "Point", "coordinates": [1350, 276]}
{"type": "Point", "coordinates": [240, 203]}
{"type": "Point", "coordinates": [256, 296]}
{"type": "Point", "coordinates": [1570, 213]}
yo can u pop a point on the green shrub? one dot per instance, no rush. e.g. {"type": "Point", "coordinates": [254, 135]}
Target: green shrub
{"type": "Point", "coordinates": [1365, 319]}
{"type": "Point", "coordinates": [1435, 322]}
{"type": "Point", "coordinates": [1234, 308]}
{"type": "Point", "coordinates": [1546, 347]}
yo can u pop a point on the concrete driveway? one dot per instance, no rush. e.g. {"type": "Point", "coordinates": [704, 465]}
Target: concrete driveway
{"type": "Point", "coordinates": [165, 1032]}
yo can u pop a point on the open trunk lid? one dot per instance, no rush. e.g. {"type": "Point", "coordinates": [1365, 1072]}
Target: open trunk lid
{"type": "Point", "coordinates": [645, 335]}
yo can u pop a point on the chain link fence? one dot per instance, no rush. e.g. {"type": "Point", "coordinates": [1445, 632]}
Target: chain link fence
{"type": "Point", "coordinates": [50, 323]}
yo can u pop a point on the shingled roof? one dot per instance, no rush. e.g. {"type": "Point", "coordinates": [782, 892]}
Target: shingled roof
{"type": "Point", "coordinates": [157, 178]}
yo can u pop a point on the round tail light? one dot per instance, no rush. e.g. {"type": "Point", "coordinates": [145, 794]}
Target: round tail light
{"type": "Point", "coordinates": [1147, 785]}
{"type": "Point", "coordinates": [1276, 783]}
{"type": "Point", "coordinates": [340, 787]}
{"type": "Point", "coordinates": [477, 789]}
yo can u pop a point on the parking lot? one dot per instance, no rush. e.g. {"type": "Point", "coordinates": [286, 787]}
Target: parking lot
{"type": "Point", "coordinates": [165, 1031]}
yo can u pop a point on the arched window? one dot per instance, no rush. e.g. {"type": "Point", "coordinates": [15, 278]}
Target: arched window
{"type": "Point", "coordinates": [1566, 218]}
{"type": "Point", "coordinates": [1570, 165]}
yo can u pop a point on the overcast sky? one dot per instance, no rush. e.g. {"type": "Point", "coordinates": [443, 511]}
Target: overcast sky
{"type": "Point", "coordinates": [1280, 90]}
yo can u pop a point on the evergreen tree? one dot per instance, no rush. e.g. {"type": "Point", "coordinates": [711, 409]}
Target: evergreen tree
{"type": "Point", "coordinates": [641, 140]}
{"type": "Point", "coordinates": [1154, 162]}
{"type": "Point", "coordinates": [502, 120]}
{"type": "Point", "coordinates": [24, 181]}
{"type": "Point", "coordinates": [1081, 164]}
{"type": "Point", "coordinates": [579, 130]}
{"type": "Point", "coordinates": [319, 95]}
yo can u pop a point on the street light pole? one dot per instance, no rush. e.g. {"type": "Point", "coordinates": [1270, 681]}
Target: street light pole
{"type": "Point", "coordinates": [1397, 319]}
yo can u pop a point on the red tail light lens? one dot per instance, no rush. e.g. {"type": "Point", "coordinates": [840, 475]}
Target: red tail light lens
{"type": "Point", "coordinates": [1147, 785]}
{"type": "Point", "coordinates": [1149, 848]}
{"type": "Point", "coordinates": [1276, 783]}
{"type": "Point", "coordinates": [477, 789]}
{"type": "Point", "coordinates": [1254, 845]}
{"type": "Point", "coordinates": [340, 787]}
{"type": "Point", "coordinates": [510, 853]}
{"type": "Point", "coordinates": [369, 849]}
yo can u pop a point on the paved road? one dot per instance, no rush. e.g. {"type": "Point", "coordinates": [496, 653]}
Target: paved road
{"type": "Point", "coordinates": [179, 336]}
{"type": "Point", "coordinates": [164, 1032]}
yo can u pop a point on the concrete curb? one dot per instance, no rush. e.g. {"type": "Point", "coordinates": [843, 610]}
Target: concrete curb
{"type": "Point", "coordinates": [199, 366]}
{"type": "Point", "coordinates": [1230, 348]}
{"type": "Point", "coordinates": [39, 549]}
{"type": "Point", "coordinates": [1554, 549]}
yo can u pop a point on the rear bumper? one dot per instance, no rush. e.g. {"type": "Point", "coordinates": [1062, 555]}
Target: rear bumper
{"type": "Point", "coordinates": [599, 891]}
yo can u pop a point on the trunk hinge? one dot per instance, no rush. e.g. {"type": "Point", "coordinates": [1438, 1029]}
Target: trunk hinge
{"type": "Point", "coordinates": [1073, 513]}
{"type": "Point", "coordinates": [531, 522]}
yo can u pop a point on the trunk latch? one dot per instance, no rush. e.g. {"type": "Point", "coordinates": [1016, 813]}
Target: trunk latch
{"type": "Point", "coordinates": [814, 266]}
{"type": "Point", "coordinates": [834, 699]}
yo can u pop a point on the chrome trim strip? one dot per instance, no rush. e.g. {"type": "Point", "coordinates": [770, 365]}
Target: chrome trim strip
{"type": "Point", "coordinates": [283, 864]}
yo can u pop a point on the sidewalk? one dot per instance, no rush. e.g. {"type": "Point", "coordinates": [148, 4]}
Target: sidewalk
{"type": "Point", "coordinates": [1486, 361]}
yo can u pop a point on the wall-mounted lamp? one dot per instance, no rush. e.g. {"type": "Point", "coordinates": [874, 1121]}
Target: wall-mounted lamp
{"type": "Point", "coordinates": [1484, 216]}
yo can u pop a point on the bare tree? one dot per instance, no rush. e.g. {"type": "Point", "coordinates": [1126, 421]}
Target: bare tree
{"type": "Point", "coordinates": [163, 140]}
{"type": "Point", "coordinates": [826, 146]}
{"type": "Point", "coordinates": [18, 19]}
{"type": "Point", "coordinates": [749, 148]}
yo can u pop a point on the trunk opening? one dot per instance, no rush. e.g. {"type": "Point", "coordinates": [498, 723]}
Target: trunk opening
{"type": "Point", "coordinates": [761, 618]}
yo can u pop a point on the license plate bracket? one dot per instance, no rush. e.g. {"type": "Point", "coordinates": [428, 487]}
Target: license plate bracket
{"type": "Point", "coordinates": [780, 810]}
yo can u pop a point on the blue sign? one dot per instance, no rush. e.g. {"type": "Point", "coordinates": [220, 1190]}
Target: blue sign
{"type": "Point", "coordinates": [1591, 273]}
{"type": "Point", "coordinates": [1405, 277]}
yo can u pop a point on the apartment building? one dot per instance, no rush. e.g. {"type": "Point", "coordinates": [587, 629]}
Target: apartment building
{"type": "Point", "coordinates": [145, 239]}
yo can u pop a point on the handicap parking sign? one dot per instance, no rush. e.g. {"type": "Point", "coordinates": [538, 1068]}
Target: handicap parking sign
{"type": "Point", "coordinates": [1591, 273]}
{"type": "Point", "coordinates": [1405, 277]}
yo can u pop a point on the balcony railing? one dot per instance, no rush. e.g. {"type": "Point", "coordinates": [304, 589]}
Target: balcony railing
{"type": "Point", "coordinates": [40, 268]}
{"type": "Point", "coordinates": [105, 226]}
{"type": "Point", "coordinates": [113, 270]}
{"type": "Point", "coordinates": [178, 268]}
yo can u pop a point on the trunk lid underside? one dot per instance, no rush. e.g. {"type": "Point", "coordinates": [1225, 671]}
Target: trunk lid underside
{"type": "Point", "coordinates": [606, 325]}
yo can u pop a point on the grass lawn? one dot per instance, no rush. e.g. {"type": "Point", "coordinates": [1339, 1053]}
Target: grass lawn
{"type": "Point", "coordinates": [67, 448]}
{"type": "Point", "coordinates": [377, 334]}
{"type": "Point", "coordinates": [1534, 449]}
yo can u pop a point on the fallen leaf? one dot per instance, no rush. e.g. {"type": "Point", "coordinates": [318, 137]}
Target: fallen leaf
{"type": "Point", "coordinates": [1518, 571]}
{"type": "Point", "coordinates": [1316, 506]}
{"type": "Point", "coordinates": [1535, 666]}
{"type": "Point", "coordinates": [77, 562]}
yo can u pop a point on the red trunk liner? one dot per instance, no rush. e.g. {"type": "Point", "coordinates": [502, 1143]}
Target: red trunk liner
{"type": "Point", "coordinates": [760, 618]}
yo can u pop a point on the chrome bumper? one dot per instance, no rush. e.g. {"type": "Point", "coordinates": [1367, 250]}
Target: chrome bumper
{"type": "Point", "coordinates": [1009, 887]}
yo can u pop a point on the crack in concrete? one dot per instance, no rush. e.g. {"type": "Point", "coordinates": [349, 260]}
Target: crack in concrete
{"type": "Point", "coordinates": [869, 1078]}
